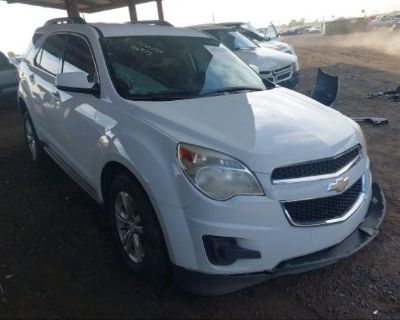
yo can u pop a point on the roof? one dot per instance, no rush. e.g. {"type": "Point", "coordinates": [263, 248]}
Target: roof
{"type": "Point", "coordinates": [128, 29]}
{"type": "Point", "coordinates": [123, 29]}
{"type": "Point", "coordinates": [86, 6]}
{"type": "Point", "coordinates": [205, 27]}
{"type": "Point", "coordinates": [232, 24]}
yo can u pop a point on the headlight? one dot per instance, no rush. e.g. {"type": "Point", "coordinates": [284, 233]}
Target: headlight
{"type": "Point", "coordinates": [217, 175]}
{"type": "Point", "coordinates": [360, 136]}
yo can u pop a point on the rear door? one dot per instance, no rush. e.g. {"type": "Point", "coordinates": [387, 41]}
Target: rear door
{"type": "Point", "coordinates": [47, 64]}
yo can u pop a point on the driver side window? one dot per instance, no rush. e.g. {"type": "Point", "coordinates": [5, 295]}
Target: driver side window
{"type": "Point", "coordinates": [78, 58]}
{"type": "Point", "coordinates": [48, 58]}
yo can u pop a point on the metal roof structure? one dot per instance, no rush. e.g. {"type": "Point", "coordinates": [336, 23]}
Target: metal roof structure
{"type": "Point", "coordinates": [73, 7]}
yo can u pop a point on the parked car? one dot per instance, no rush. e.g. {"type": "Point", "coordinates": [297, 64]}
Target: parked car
{"type": "Point", "coordinates": [269, 39]}
{"type": "Point", "coordinates": [384, 21]}
{"type": "Point", "coordinates": [396, 23]}
{"type": "Point", "coordinates": [295, 31]}
{"type": "Point", "coordinates": [315, 29]}
{"type": "Point", "coordinates": [396, 19]}
{"type": "Point", "coordinates": [202, 166]}
{"type": "Point", "coordinates": [8, 80]}
{"type": "Point", "coordinates": [288, 32]}
{"type": "Point", "coordinates": [278, 67]}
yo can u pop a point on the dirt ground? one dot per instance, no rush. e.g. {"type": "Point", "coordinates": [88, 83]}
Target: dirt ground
{"type": "Point", "coordinates": [58, 260]}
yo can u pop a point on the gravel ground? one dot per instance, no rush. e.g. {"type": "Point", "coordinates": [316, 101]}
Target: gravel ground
{"type": "Point", "coordinates": [58, 260]}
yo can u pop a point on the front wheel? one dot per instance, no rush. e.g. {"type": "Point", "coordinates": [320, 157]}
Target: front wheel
{"type": "Point", "coordinates": [136, 228]}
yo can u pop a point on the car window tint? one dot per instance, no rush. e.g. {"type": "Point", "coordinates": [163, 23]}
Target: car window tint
{"type": "Point", "coordinates": [51, 52]}
{"type": "Point", "coordinates": [78, 58]}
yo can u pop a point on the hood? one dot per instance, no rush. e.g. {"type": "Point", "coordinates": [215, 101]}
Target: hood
{"type": "Point", "coordinates": [276, 45]}
{"type": "Point", "coordinates": [264, 130]}
{"type": "Point", "coordinates": [266, 59]}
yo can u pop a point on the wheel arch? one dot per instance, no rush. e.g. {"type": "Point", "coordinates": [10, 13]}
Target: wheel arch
{"type": "Point", "coordinates": [110, 170]}
{"type": "Point", "coordinates": [22, 105]}
{"type": "Point", "coordinates": [113, 168]}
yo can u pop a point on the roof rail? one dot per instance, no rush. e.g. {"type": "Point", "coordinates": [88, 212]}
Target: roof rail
{"type": "Point", "coordinates": [154, 23]}
{"type": "Point", "coordinates": [67, 20]}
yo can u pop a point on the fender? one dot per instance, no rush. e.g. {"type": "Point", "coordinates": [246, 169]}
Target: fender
{"type": "Point", "coordinates": [139, 151]}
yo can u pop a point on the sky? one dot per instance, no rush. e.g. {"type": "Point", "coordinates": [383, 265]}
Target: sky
{"type": "Point", "coordinates": [18, 22]}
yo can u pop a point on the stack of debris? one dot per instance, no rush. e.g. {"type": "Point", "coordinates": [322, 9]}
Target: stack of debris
{"type": "Point", "coordinates": [390, 95]}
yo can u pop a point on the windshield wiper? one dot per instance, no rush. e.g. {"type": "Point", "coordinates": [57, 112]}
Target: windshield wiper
{"type": "Point", "coordinates": [162, 96]}
{"type": "Point", "coordinates": [189, 94]}
{"type": "Point", "coordinates": [231, 90]}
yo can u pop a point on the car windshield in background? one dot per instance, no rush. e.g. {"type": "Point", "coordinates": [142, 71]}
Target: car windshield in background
{"type": "Point", "coordinates": [233, 39]}
{"type": "Point", "coordinates": [170, 68]}
{"type": "Point", "coordinates": [249, 27]}
{"type": "Point", "coordinates": [271, 32]}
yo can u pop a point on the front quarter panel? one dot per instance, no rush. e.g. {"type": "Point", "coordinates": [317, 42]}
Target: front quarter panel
{"type": "Point", "coordinates": [146, 152]}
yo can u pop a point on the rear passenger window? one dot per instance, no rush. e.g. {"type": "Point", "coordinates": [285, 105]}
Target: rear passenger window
{"type": "Point", "coordinates": [49, 56]}
{"type": "Point", "coordinates": [78, 58]}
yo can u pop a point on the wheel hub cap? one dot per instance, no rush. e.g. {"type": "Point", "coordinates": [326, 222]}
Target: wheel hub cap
{"type": "Point", "coordinates": [30, 138]}
{"type": "Point", "coordinates": [129, 226]}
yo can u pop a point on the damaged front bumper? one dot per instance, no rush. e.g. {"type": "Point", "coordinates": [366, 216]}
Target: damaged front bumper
{"type": "Point", "coordinates": [208, 284]}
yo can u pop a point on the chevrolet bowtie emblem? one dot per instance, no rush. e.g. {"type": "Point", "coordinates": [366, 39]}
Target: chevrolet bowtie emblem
{"type": "Point", "coordinates": [339, 185]}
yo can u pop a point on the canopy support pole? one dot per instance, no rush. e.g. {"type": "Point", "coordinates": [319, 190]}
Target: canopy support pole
{"type": "Point", "coordinates": [160, 10]}
{"type": "Point", "coordinates": [132, 10]}
{"type": "Point", "coordinates": [72, 8]}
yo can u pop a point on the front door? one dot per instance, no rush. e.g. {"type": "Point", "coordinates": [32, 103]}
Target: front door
{"type": "Point", "coordinates": [74, 116]}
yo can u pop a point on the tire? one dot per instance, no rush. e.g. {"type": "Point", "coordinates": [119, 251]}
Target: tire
{"type": "Point", "coordinates": [144, 250]}
{"type": "Point", "coordinates": [38, 155]}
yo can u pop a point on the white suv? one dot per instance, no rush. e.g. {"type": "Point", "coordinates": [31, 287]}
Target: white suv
{"type": "Point", "coordinates": [278, 67]}
{"type": "Point", "coordinates": [204, 168]}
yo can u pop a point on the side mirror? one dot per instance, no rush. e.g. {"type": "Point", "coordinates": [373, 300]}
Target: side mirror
{"type": "Point", "coordinates": [76, 82]}
{"type": "Point", "coordinates": [255, 68]}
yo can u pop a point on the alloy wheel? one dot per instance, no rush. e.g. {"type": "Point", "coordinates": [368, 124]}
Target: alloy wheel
{"type": "Point", "coordinates": [129, 226]}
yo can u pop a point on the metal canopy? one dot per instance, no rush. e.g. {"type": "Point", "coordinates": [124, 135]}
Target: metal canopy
{"type": "Point", "coordinates": [73, 7]}
{"type": "Point", "coordinates": [86, 6]}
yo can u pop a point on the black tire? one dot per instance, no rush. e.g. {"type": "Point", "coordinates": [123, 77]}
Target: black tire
{"type": "Point", "coordinates": [38, 155]}
{"type": "Point", "coordinates": [155, 262]}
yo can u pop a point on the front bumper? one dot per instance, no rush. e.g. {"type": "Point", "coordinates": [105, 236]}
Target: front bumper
{"type": "Point", "coordinates": [207, 284]}
{"type": "Point", "coordinates": [293, 82]}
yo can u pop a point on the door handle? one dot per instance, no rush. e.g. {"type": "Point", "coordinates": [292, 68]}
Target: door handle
{"type": "Point", "coordinates": [32, 78]}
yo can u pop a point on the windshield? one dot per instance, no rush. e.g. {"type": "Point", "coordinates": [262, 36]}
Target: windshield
{"type": "Point", "coordinates": [271, 32]}
{"type": "Point", "coordinates": [233, 39]}
{"type": "Point", "coordinates": [249, 27]}
{"type": "Point", "coordinates": [157, 67]}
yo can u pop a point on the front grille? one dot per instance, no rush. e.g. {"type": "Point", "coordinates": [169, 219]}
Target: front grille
{"type": "Point", "coordinates": [284, 69]}
{"type": "Point", "coordinates": [278, 75]}
{"type": "Point", "coordinates": [317, 211]}
{"type": "Point", "coordinates": [316, 168]}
